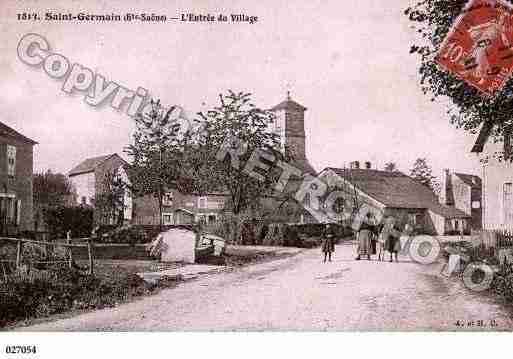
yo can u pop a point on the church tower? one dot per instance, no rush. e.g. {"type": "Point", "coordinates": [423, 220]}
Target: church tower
{"type": "Point", "coordinates": [290, 125]}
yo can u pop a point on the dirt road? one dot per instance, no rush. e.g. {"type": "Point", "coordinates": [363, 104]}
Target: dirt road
{"type": "Point", "coordinates": [302, 293]}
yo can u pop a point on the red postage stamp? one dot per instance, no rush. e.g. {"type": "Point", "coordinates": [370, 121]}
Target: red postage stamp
{"type": "Point", "coordinates": [479, 47]}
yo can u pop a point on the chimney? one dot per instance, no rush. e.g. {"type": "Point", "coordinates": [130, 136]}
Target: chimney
{"type": "Point", "coordinates": [354, 165]}
{"type": "Point", "coordinates": [368, 165]}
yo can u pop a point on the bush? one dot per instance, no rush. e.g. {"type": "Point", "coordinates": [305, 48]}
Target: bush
{"type": "Point", "coordinates": [502, 283]}
{"type": "Point", "coordinates": [43, 293]}
{"type": "Point", "coordinates": [78, 219]}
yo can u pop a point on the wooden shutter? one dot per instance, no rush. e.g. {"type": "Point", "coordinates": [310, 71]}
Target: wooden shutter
{"type": "Point", "coordinates": [507, 203]}
{"type": "Point", "coordinates": [11, 160]}
{"type": "Point", "coordinates": [18, 212]}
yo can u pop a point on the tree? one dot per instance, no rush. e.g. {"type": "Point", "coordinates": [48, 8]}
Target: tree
{"type": "Point", "coordinates": [51, 189]}
{"type": "Point", "coordinates": [422, 173]}
{"type": "Point", "coordinates": [156, 152]}
{"type": "Point", "coordinates": [110, 203]}
{"type": "Point", "coordinates": [390, 167]}
{"type": "Point", "coordinates": [233, 132]}
{"type": "Point", "coordinates": [77, 219]}
{"type": "Point", "coordinates": [433, 19]}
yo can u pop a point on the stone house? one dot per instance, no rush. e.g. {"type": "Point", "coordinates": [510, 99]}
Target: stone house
{"type": "Point", "coordinates": [88, 180]}
{"type": "Point", "coordinates": [16, 178]}
{"type": "Point", "coordinates": [497, 178]}
{"type": "Point", "coordinates": [179, 208]}
{"type": "Point", "coordinates": [395, 194]}
{"type": "Point", "coordinates": [464, 192]}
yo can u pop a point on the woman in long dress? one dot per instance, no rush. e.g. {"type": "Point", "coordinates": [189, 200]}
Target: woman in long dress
{"type": "Point", "coordinates": [365, 235]}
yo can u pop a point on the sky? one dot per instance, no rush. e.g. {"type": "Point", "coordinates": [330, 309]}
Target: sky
{"type": "Point", "coordinates": [346, 61]}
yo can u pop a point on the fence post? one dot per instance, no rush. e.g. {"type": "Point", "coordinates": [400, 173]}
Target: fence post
{"type": "Point", "coordinates": [18, 254]}
{"type": "Point", "coordinates": [90, 253]}
{"type": "Point", "coordinates": [70, 253]}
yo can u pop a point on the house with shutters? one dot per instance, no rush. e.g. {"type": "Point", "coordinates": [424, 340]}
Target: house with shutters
{"type": "Point", "coordinates": [88, 180]}
{"type": "Point", "coordinates": [497, 177]}
{"type": "Point", "coordinates": [16, 177]}
{"type": "Point", "coordinates": [179, 208]}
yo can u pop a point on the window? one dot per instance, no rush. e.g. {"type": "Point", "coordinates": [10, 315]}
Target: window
{"type": "Point", "coordinates": [306, 200]}
{"type": "Point", "coordinates": [476, 204]}
{"type": "Point", "coordinates": [167, 218]}
{"type": "Point", "coordinates": [507, 203]}
{"type": "Point", "coordinates": [202, 202]}
{"type": "Point", "coordinates": [10, 210]}
{"type": "Point", "coordinates": [201, 219]}
{"type": "Point", "coordinates": [415, 219]}
{"type": "Point", "coordinates": [167, 200]}
{"type": "Point", "coordinates": [11, 160]}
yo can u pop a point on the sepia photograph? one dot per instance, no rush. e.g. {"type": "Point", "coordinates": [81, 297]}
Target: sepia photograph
{"type": "Point", "coordinates": [273, 166]}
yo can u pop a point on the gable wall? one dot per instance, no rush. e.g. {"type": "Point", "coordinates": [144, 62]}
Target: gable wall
{"type": "Point", "coordinates": [495, 175]}
{"type": "Point", "coordinates": [21, 184]}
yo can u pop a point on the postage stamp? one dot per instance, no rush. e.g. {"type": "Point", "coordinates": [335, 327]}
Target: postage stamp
{"type": "Point", "coordinates": [478, 49]}
{"type": "Point", "coordinates": [254, 166]}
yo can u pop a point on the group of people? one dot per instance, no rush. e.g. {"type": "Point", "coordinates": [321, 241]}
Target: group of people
{"type": "Point", "coordinates": [372, 238]}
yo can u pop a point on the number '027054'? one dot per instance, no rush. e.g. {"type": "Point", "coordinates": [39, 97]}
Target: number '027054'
{"type": "Point", "coordinates": [20, 349]}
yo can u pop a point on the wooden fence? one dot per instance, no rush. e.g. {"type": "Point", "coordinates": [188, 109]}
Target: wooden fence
{"type": "Point", "coordinates": [85, 244]}
{"type": "Point", "coordinates": [496, 238]}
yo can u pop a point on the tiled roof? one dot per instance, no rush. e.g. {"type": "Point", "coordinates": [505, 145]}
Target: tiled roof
{"type": "Point", "coordinates": [394, 189]}
{"type": "Point", "coordinates": [448, 211]}
{"type": "Point", "coordinates": [89, 165]}
{"type": "Point", "coordinates": [288, 104]}
{"type": "Point", "coordinates": [471, 180]}
{"type": "Point", "coordinates": [9, 132]}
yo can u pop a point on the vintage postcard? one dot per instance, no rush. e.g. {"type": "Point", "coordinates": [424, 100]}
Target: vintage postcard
{"type": "Point", "coordinates": [306, 166]}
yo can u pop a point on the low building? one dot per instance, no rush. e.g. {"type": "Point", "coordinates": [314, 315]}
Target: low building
{"type": "Point", "coordinates": [88, 179]}
{"type": "Point", "coordinates": [398, 195]}
{"type": "Point", "coordinates": [16, 179]}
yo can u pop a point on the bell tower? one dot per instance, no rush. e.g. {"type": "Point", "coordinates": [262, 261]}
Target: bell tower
{"type": "Point", "coordinates": [290, 125]}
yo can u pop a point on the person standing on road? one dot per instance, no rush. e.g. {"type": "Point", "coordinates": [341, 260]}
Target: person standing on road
{"type": "Point", "coordinates": [391, 234]}
{"type": "Point", "coordinates": [328, 242]}
{"type": "Point", "coordinates": [365, 235]}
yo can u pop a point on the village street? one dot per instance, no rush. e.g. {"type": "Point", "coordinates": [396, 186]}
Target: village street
{"type": "Point", "coordinates": [302, 293]}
